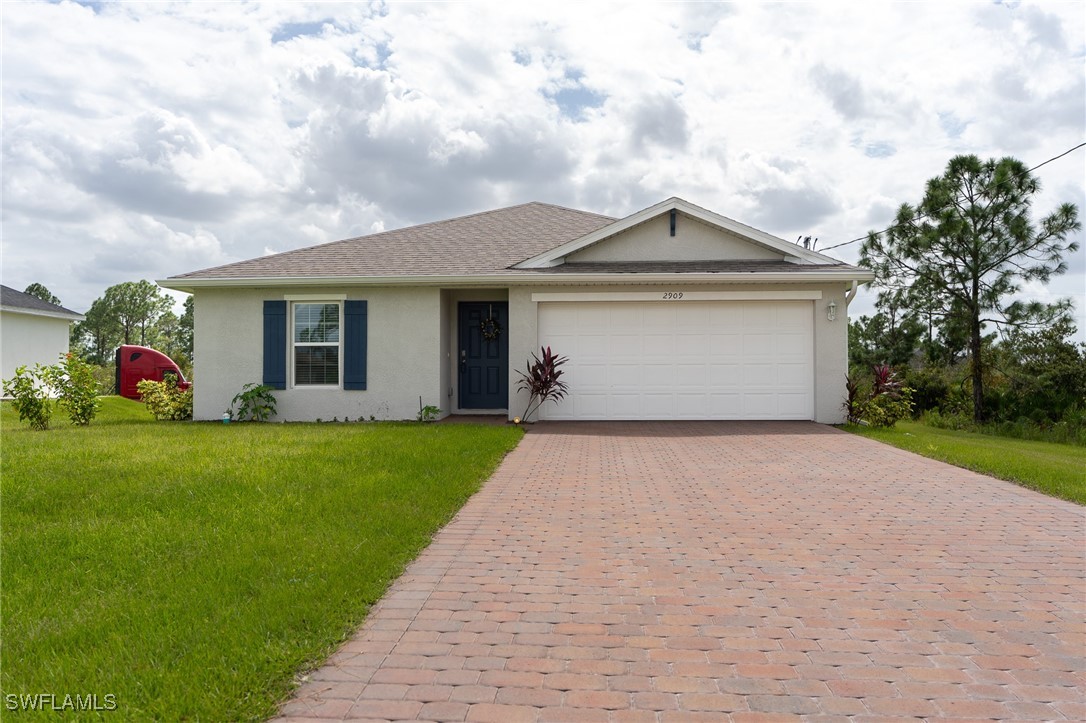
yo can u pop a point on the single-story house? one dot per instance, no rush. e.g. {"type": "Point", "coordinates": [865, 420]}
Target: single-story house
{"type": "Point", "coordinates": [673, 312]}
{"type": "Point", "coordinates": [32, 331]}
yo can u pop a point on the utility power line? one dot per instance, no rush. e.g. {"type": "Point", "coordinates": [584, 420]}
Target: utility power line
{"type": "Point", "coordinates": [923, 215]}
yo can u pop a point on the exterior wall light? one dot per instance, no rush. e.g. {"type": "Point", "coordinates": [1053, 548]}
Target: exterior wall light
{"type": "Point", "coordinates": [831, 311]}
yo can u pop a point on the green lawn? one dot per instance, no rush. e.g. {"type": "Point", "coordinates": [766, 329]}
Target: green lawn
{"type": "Point", "coordinates": [1055, 469]}
{"type": "Point", "coordinates": [191, 570]}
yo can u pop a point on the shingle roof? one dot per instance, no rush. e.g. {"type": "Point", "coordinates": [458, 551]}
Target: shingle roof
{"type": "Point", "coordinates": [12, 299]}
{"type": "Point", "coordinates": [482, 243]}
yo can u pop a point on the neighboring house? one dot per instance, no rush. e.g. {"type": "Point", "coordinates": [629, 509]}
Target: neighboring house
{"type": "Point", "coordinates": [674, 312]}
{"type": "Point", "coordinates": [32, 331]}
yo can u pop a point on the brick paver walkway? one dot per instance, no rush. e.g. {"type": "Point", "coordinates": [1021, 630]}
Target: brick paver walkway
{"type": "Point", "coordinates": [715, 571]}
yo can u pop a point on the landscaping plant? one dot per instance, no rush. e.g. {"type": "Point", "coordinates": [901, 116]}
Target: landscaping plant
{"type": "Point", "coordinates": [77, 389]}
{"type": "Point", "coordinates": [255, 403]}
{"type": "Point", "coordinates": [888, 401]}
{"type": "Point", "coordinates": [30, 396]}
{"type": "Point", "coordinates": [542, 381]}
{"type": "Point", "coordinates": [164, 400]}
{"type": "Point", "coordinates": [428, 413]}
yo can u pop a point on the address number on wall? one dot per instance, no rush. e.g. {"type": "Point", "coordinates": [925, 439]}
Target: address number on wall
{"type": "Point", "coordinates": [672, 295]}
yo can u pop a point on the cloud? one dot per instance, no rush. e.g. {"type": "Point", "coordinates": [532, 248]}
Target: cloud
{"type": "Point", "coordinates": [143, 140]}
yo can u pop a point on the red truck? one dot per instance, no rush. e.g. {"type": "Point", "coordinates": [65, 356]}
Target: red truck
{"type": "Point", "coordinates": [136, 363]}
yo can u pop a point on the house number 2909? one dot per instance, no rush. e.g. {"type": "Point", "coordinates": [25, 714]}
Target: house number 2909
{"type": "Point", "coordinates": [672, 295]}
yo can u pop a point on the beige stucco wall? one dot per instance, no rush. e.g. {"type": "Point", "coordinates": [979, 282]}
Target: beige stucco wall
{"type": "Point", "coordinates": [693, 241]}
{"type": "Point", "coordinates": [403, 358]}
{"type": "Point", "coordinates": [412, 347]}
{"type": "Point", "coordinates": [29, 339]}
{"type": "Point", "coordinates": [830, 337]}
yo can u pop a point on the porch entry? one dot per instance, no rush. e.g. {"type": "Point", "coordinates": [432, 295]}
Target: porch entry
{"type": "Point", "coordinates": [484, 354]}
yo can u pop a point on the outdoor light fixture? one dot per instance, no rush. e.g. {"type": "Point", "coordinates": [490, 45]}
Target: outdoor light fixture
{"type": "Point", "coordinates": [831, 311]}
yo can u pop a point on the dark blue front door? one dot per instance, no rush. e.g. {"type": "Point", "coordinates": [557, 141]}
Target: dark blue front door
{"type": "Point", "coordinates": [484, 362]}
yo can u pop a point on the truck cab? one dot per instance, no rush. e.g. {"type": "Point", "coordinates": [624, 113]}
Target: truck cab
{"type": "Point", "coordinates": [136, 363]}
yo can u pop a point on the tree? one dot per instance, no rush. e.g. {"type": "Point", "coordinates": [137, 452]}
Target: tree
{"type": "Point", "coordinates": [186, 327]}
{"type": "Point", "coordinates": [40, 292]}
{"type": "Point", "coordinates": [891, 336]}
{"type": "Point", "coordinates": [967, 247]}
{"type": "Point", "coordinates": [99, 332]}
{"type": "Point", "coordinates": [137, 304]}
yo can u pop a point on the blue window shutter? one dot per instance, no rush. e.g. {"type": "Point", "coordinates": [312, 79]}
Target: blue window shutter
{"type": "Point", "coordinates": [275, 344]}
{"type": "Point", "coordinates": [354, 344]}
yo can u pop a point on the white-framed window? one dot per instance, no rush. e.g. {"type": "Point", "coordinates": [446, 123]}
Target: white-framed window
{"type": "Point", "coordinates": [316, 343]}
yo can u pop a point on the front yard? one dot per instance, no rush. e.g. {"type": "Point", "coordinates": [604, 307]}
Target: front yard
{"type": "Point", "coordinates": [1054, 469]}
{"type": "Point", "coordinates": [191, 570]}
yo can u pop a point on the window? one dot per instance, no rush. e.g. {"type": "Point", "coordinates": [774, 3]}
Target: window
{"type": "Point", "coordinates": [316, 344]}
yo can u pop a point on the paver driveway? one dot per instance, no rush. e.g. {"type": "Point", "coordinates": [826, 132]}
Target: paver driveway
{"type": "Point", "coordinates": [701, 571]}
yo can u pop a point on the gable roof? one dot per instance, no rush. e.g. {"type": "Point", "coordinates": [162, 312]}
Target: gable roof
{"type": "Point", "coordinates": [18, 302]}
{"type": "Point", "coordinates": [792, 252]}
{"type": "Point", "coordinates": [517, 244]}
{"type": "Point", "coordinates": [481, 243]}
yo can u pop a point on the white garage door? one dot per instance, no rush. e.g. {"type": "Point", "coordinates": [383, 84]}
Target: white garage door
{"type": "Point", "coordinates": [682, 360]}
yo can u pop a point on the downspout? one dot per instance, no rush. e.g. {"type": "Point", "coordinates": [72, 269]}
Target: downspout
{"type": "Point", "coordinates": [851, 293]}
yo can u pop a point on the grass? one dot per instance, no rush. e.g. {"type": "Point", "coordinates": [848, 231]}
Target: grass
{"type": "Point", "coordinates": [1054, 469]}
{"type": "Point", "coordinates": [193, 569]}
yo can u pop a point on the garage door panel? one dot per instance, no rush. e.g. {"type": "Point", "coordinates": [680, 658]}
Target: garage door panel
{"type": "Point", "coordinates": [624, 406]}
{"type": "Point", "coordinates": [691, 345]}
{"type": "Point", "coordinates": [764, 375]}
{"type": "Point", "coordinates": [725, 406]}
{"type": "Point", "coordinates": [725, 376]}
{"type": "Point", "coordinates": [624, 345]}
{"type": "Point", "coordinates": [692, 406]}
{"type": "Point", "coordinates": [684, 360]}
{"type": "Point", "coordinates": [759, 405]}
{"type": "Point", "coordinates": [793, 406]}
{"type": "Point", "coordinates": [793, 376]}
{"type": "Point", "coordinates": [624, 376]}
{"type": "Point", "coordinates": [658, 406]}
{"type": "Point", "coordinates": [691, 375]}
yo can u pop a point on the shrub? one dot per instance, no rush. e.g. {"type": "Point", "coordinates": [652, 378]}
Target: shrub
{"type": "Point", "coordinates": [30, 397]}
{"type": "Point", "coordinates": [885, 410]}
{"type": "Point", "coordinates": [255, 403]}
{"type": "Point", "coordinates": [888, 401]}
{"type": "Point", "coordinates": [77, 390]}
{"type": "Point", "coordinates": [164, 400]}
{"type": "Point", "coordinates": [930, 388]}
{"type": "Point", "coordinates": [542, 380]}
{"type": "Point", "coordinates": [428, 413]}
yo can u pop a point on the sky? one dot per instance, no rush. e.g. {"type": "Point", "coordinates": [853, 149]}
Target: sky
{"type": "Point", "coordinates": [143, 140]}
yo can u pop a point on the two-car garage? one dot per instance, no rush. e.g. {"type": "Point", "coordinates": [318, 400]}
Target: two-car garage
{"type": "Point", "coordinates": [675, 355]}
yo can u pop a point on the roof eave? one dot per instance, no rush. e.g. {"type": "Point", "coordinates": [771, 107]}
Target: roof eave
{"type": "Point", "coordinates": [42, 312]}
{"type": "Point", "coordinates": [527, 278]}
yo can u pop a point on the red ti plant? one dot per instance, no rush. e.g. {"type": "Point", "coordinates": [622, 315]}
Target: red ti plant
{"type": "Point", "coordinates": [885, 382]}
{"type": "Point", "coordinates": [542, 381]}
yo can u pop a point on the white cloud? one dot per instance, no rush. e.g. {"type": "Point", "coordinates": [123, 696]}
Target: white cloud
{"type": "Point", "coordinates": [143, 140]}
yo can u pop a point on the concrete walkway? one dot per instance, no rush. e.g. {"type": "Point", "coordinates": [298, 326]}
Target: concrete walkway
{"type": "Point", "coordinates": [715, 571]}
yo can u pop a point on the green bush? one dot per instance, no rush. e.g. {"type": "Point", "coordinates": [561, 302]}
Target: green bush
{"type": "Point", "coordinates": [77, 391]}
{"type": "Point", "coordinates": [885, 410]}
{"type": "Point", "coordinates": [255, 402]}
{"type": "Point", "coordinates": [164, 400]}
{"type": "Point", "coordinates": [29, 392]}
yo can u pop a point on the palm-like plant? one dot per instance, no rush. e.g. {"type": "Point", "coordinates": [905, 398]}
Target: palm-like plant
{"type": "Point", "coordinates": [542, 380]}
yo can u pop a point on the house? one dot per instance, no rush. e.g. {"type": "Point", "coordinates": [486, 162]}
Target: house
{"type": "Point", "coordinates": [673, 312]}
{"type": "Point", "coordinates": [32, 331]}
